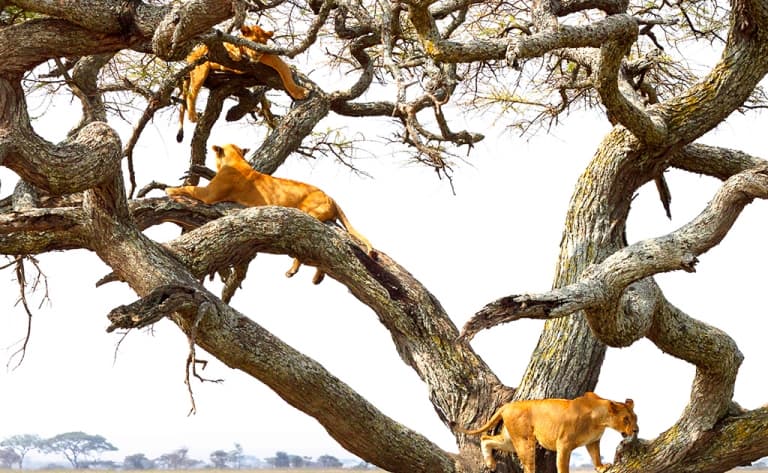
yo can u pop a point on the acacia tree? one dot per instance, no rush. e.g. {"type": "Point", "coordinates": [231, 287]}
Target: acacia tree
{"type": "Point", "coordinates": [22, 444]}
{"type": "Point", "coordinates": [8, 458]}
{"type": "Point", "coordinates": [530, 60]}
{"type": "Point", "coordinates": [75, 446]}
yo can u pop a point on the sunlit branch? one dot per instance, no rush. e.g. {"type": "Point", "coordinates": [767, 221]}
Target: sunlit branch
{"type": "Point", "coordinates": [619, 108]}
{"type": "Point", "coordinates": [184, 22]}
{"type": "Point", "coordinates": [714, 161]}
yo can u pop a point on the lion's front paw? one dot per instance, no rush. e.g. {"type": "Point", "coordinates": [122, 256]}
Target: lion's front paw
{"type": "Point", "coordinates": [603, 467]}
{"type": "Point", "coordinates": [176, 194]}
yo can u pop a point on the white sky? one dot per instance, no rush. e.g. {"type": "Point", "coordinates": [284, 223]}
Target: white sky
{"type": "Point", "coordinates": [498, 236]}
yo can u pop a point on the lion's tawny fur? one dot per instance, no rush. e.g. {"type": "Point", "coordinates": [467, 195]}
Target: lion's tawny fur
{"type": "Point", "coordinates": [237, 181]}
{"type": "Point", "coordinates": [194, 81]}
{"type": "Point", "coordinates": [560, 425]}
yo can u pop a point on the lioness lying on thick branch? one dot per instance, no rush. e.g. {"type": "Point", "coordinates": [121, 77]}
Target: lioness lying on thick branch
{"type": "Point", "coordinates": [560, 425]}
{"type": "Point", "coordinates": [237, 181]}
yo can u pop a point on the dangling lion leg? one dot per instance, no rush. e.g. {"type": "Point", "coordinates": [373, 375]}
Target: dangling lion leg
{"type": "Point", "coordinates": [294, 90]}
{"type": "Point", "coordinates": [294, 268]}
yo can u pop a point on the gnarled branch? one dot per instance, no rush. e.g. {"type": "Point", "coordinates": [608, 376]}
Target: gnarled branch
{"type": "Point", "coordinates": [605, 282]}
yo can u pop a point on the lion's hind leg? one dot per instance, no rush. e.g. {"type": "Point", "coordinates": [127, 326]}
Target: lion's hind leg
{"type": "Point", "coordinates": [316, 279]}
{"type": "Point", "coordinates": [525, 447]}
{"type": "Point", "coordinates": [196, 79]}
{"type": "Point", "coordinates": [489, 443]}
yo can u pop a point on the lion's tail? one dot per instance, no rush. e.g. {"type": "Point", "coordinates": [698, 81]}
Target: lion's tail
{"type": "Point", "coordinates": [182, 108]}
{"type": "Point", "coordinates": [351, 230]}
{"type": "Point", "coordinates": [492, 422]}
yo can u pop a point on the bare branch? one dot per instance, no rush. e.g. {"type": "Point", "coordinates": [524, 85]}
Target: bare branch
{"type": "Point", "coordinates": [80, 162]}
{"type": "Point", "coordinates": [185, 22]}
{"type": "Point", "coordinates": [604, 283]}
{"type": "Point", "coordinates": [619, 108]}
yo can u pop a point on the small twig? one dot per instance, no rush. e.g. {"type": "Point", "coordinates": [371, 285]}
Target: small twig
{"type": "Point", "coordinates": [117, 346]}
{"type": "Point", "coordinates": [204, 309]}
{"type": "Point", "coordinates": [150, 187]}
{"type": "Point", "coordinates": [156, 101]}
{"type": "Point", "coordinates": [161, 302]}
{"type": "Point", "coordinates": [21, 278]}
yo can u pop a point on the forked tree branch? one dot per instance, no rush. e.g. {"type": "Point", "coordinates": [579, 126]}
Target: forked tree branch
{"type": "Point", "coordinates": [604, 283]}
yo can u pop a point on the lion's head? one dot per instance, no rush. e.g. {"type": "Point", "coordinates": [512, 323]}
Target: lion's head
{"type": "Point", "coordinates": [256, 34]}
{"type": "Point", "coordinates": [623, 418]}
{"type": "Point", "coordinates": [228, 155]}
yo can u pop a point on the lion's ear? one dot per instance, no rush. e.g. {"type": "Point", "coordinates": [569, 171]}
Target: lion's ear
{"type": "Point", "coordinates": [630, 403]}
{"type": "Point", "coordinates": [245, 151]}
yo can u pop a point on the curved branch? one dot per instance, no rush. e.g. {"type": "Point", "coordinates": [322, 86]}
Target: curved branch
{"type": "Point", "coordinates": [422, 332]}
{"type": "Point", "coordinates": [604, 283]}
{"type": "Point", "coordinates": [242, 344]}
{"type": "Point", "coordinates": [717, 360]}
{"type": "Point", "coordinates": [78, 163]}
{"type": "Point", "coordinates": [357, 50]}
{"type": "Point", "coordinates": [84, 83]}
{"type": "Point", "coordinates": [293, 128]}
{"type": "Point", "coordinates": [101, 17]}
{"type": "Point", "coordinates": [181, 24]}
{"type": "Point", "coordinates": [714, 161]}
{"type": "Point", "coordinates": [49, 38]}
{"type": "Point", "coordinates": [594, 35]}
{"type": "Point", "coordinates": [83, 161]}
{"type": "Point", "coordinates": [730, 83]}
{"type": "Point", "coordinates": [618, 107]}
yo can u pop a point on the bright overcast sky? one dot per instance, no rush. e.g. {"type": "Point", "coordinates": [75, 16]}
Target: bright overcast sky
{"type": "Point", "coordinates": [497, 236]}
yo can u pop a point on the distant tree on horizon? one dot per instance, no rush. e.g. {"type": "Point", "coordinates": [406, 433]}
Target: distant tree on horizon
{"type": "Point", "coordinates": [22, 444]}
{"type": "Point", "coordinates": [328, 461]}
{"type": "Point", "coordinates": [177, 460]}
{"type": "Point", "coordinates": [280, 460]}
{"type": "Point", "coordinates": [8, 457]}
{"type": "Point", "coordinates": [219, 458]}
{"type": "Point", "coordinates": [138, 461]}
{"type": "Point", "coordinates": [235, 456]}
{"type": "Point", "coordinates": [76, 446]}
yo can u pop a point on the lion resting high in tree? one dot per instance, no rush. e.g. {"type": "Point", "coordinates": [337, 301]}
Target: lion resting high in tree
{"type": "Point", "coordinates": [192, 84]}
{"type": "Point", "coordinates": [560, 425]}
{"type": "Point", "coordinates": [237, 181]}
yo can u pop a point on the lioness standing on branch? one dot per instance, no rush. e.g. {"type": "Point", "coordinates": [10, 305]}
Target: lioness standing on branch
{"type": "Point", "coordinates": [237, 181]}
{"type": "Point", "coordinates": [560, 425]}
